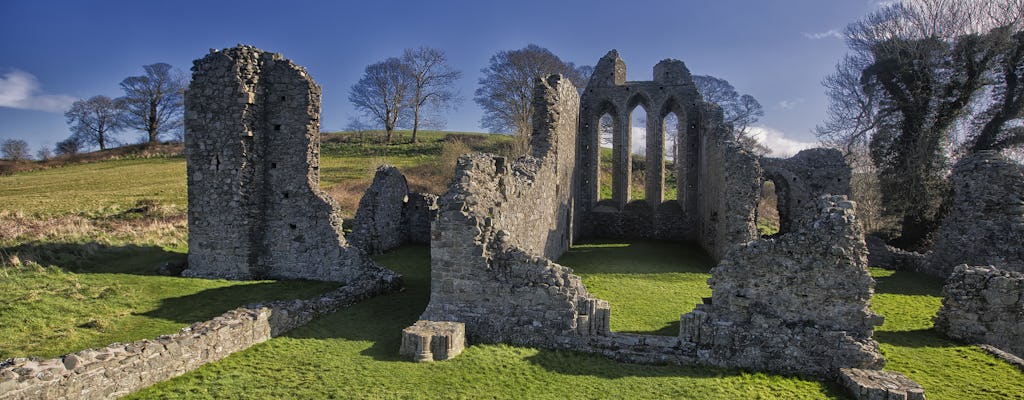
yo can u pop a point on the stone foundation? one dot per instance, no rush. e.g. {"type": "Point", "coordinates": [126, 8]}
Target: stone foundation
{"type": "Point", "coordinates": [427, 341]}
{"type": "Point", "coordinates": [879, 385]}
{"type": "Point", "coordinates": [984, 305]}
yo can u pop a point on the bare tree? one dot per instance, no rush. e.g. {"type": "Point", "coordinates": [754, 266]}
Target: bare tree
{"type": "Point", "coordinates": [154, 102]}
{"type": "Point", "coordinates": [95, 119]}
{"type": "Point", "coordinates": [506, 90]}
{"type": "Point", "coordinates": [741, 111]}
{"type": "Point", "coordinates": [44, 153]}
{"type": "Point", "coordinates": [383, 93]}
{"type": "Point", "coordinates": [14, 149]}
{"type": "Point", "coordinates": [432, 83]}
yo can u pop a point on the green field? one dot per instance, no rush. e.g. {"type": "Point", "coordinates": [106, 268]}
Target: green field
{"type": "Point", "coordinates": [79, 246]}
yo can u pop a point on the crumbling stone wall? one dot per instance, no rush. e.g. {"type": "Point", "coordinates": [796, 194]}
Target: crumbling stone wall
{"type": "Point", "coordinates": [499, 226]}
{"type": "Point", "coordinates": [797, 303]}
{"type": "Point", "coordinates": [800, 179]}
{"type": "Point", "coordinates": [252, 141]}
{"type": "Point", "coordinates": [120, 369]}
{"type": "Point", "coordinates": [716, 181]}
{"type": "Point", "coordinates": [390, 216]}
{"type": "Point", "coordinates": [986, 223]}
{"type": "Point", "coordinates": [984, 304]}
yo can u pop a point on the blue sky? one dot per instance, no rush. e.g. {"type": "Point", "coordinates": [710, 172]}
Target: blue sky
{"type": "Point", "coordinates": [53, 52]}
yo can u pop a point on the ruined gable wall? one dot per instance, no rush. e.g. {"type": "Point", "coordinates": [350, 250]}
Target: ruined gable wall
{"type": "Point", "coordinates": [988, 209]}
{"type": "Point", "coordinates": [984, 304]}
{"type": "Point", "coordinates": [253, 150]}
{"type": "Point", "coordinates": [798, 303]}
{"type": "Point", "coordinates": [499, 226]}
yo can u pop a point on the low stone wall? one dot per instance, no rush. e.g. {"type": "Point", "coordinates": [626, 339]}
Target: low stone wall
{"type": "Point", "coordinates": [638, 221]}
{"type": "Point", "coordinates": [120, 369]}
{"type": "Point", "coordinates": [885, 256]}
{"type": "Point", "coordinates": [984, 305]}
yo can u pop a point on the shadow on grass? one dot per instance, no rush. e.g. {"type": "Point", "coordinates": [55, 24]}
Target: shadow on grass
{"type": "Point", "coordinates": [919, 338]}
{"type": "Point", "coordinates": [671, 328]}
{"type": "Point", "coordinates": [91, 257]}
{"type": "Point", "coordinates": [909, 283]}
{"type": "Point", "coordinates": [210, 303]}
{"type": "Point", "coordinates": [612, 256]}
{"type": "Point", "coordinates": [380, 320]}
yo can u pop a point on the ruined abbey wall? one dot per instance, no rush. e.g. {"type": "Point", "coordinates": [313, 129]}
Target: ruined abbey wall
{"type": "Point", "coordinates": [716, 180]}
{"type": "Point", "coordinates": [800, 179]}
{"type": "Point", "coordinates": [252, 141]}
{"type": "Point", "coordinates": [984, 305]}
{"type": "Point", "coordinates": [500, 225]}
{"type": "Point", "coordinates": [986, 223]}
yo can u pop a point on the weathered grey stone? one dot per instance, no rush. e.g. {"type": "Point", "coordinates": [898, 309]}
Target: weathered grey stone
{"type": "Point", "coordinates": [866, 384]}
{"type": "Point", "coordinates": [252, 142]}
{"type": "Point", "coordinates": [986, 223]}
{"type": "Point", "coordinates": [800, 179]}
{"type": "Point", "coordinates": [984, 304]}
{"type": "Point", "coordinates": [378, 225]}
{"type": "Point", "coordinates": [883, 255]}
{"type": "Point", "coordinates": [433, 340]}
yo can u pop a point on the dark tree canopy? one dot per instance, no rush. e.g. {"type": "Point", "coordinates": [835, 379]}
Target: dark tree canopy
{"type": "Point", "coordinates": [432, 82]}
{"type": "Point", "coordinates": [506, 90]}
{"type": "Point", "coordinates": [382, 94]}
{"type": "Point", "coordinates": [154, 102]}
{"type": "Point", "coordinates": [917, 72]}
{"type": "Point", "coordinates": [94, 120]}
{"type": "Point", "coordinates": [69, 146]}
{"type": "Point", "coordinates": [741, 111]}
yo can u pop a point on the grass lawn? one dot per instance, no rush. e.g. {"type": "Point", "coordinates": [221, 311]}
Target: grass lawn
{"type": "Point", "coordinates": [354, 354]}
{"type": "Point", "coordinates": [114, 296]}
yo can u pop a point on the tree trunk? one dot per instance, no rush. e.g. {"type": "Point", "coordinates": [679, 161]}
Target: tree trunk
{"type": "Point", "coordinates": [415, 123]}
{"type": "Point", "coordinates": [154, 125]}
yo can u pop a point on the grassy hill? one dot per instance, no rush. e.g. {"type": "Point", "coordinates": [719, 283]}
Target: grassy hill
{"type": "Point", "coordinates": [80, 243]}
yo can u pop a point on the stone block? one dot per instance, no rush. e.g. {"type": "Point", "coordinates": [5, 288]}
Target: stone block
{"type": "Point", "coordinates": [864, 384]}
{"type": "Point", "coordinates": [428, 341]}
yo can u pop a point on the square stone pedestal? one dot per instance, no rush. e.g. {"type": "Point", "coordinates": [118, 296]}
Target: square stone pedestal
{"type": "Point", "coordinates": [865, 384]}
{"type": "Point", "coordinates": [427, 341]}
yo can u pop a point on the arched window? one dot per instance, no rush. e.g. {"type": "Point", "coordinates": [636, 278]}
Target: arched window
{"type": "Point", "coordinates": [605, 133]}
{"type": "Point", "coordinates": [638, 147]}
{"type": "Point", "coordinates": [768, 209]}
{"type": "Point", "coordinates": [670, 126]}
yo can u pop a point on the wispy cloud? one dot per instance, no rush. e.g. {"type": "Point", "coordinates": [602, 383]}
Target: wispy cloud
{"type": "Point", "coordinates": [20, 89]}
{"type": "Point", "coordinates": [791, 104]}
{"type": "Point", "coordinates": [777, 141]}
{"type": "Point", "coordinates": [831, 33]}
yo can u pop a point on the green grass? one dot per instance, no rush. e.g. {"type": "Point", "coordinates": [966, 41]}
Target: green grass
{"type": "Point", "coordinates": [946, 369]}
{"type": "Point", "coordinates": [354, 354]}
{"type": "Point", "coordinates": [649, 284]}
{"type": "Point", "coordinates": [114, 296]}
{"type": "Point", "coordinates": [96, 187]}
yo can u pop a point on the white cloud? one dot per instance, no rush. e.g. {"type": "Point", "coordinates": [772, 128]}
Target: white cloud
{"type": "Point", "coordinates": [831, 33]}
{"type": "Point", "coordinates": [777, 141]}
{"type": "Point", "coordinates": [20, 89]}
{"type": "Point", "coordinates": [790, 104]}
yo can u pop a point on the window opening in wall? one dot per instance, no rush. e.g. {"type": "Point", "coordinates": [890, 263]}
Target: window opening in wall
{"type": "Point", "coordinates": [671, 128]}
{"type": "Point", "coordinates": [768, 209]}
{"type": "Point", "coordinates": [606, 130]}
{"type": "Point", "coordinates": [638, 133]}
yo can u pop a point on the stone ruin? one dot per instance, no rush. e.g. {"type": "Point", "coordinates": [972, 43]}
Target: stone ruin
{"type": "Point", "coordinates": [390, 216]}
{"type": "Point", "coordinates": [252, 142]}
{"type": "Point", "coordinates": [988, 207]}
{"type": "Point", "coordinates": [797, 303]}
{"type": "Point", "coordinates": [984, 304]}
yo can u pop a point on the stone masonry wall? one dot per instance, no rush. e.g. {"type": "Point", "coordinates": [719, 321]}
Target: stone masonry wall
{"type": "Point", "coordinates": [984, 305]}
{"type": "Point", "coordinates": [986, 223]}
{"type": "Point", "coordinates": [390, 216]}
{"type": "Point", "coordinates": [729, 185]}
{"type": "Point", "coordinates": [252, 141]}
{"type": "Point", "coordinates": [120, 369]}
{"type": "Point", "coordinates": [499, 226]}
{"type": "Point", "coordinates": [798, 303]}
{"type": "Point", "coordinates": [800, 179]}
